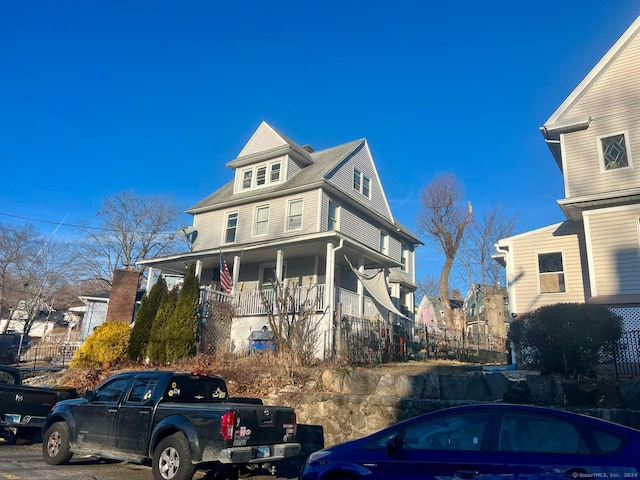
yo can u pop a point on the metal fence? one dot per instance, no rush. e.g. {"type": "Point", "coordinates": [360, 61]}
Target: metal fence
{"type": "Point", "coordinates": [626, 354]}
{"type": "Point", "coordinates": [55, 354]}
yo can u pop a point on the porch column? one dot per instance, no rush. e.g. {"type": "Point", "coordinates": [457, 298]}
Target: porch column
{"type": "Point", "coordinates": [329, 288]}
{"type": "Point", "coordinates": [198, 269]}
{"type": "Point", "coordinates": [236, 273]}
{"type": "Point", "coordinates": [279, 265]}
{"type": "Point", "coordinates": [150, 273]}
{"type": "Point", "coordinates": [360, 288]}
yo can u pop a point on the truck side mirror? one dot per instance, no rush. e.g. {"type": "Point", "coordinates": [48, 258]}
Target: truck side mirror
{"type": "Point", "coordinates": [88, 395]}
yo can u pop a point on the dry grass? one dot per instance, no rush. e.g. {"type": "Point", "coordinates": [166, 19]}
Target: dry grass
{"type": "Point", "coordinates": [249, 376]}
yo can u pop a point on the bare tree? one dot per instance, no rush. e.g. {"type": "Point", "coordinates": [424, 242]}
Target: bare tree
{"type": "Point", "coordinates": [291, 312]}
{"type": "Point", "coordinates": [444, 218]}
{"type": "Point", "coordinates": [44, 276]}
{"type": "Point", "coordinates": [17, 246]}
{"type": "Point", "coordinates": [483, 233]}
{"type": "Point", "coordinates": [133, 227]}
{"type": "Point", "coordinates": [428, 286]}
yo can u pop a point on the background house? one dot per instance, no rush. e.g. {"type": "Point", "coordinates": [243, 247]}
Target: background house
{"type": "Point", "coordinates": [594, 255]}
{"type": "Point", "coordinates": [304, 218]}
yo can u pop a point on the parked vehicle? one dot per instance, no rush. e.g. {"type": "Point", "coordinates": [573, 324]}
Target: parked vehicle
{"type": "Point", "coordinates": [488, 441]}
{"type": "Point", "coordinates": [175, 420]}
{"type": "Point", "coordinates": [11, 345]}
{"type": "Point", "coordinates": [23, 409]}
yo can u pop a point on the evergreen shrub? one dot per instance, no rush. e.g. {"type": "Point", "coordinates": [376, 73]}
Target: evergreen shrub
{"type": "Point", "coordinates": [567, 338]}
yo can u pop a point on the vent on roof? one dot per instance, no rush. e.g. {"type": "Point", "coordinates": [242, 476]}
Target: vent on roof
{"type": "Point", "coordinates": [308, 148]}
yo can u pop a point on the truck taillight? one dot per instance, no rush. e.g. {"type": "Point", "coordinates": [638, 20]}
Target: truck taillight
{"type": "Point", "coordinates": [227, 424]}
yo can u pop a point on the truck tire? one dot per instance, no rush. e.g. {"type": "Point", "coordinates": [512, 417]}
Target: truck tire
{"type": "Point", "coordinates": [55, 444]}
{"type": "Point", "coordinates": [172, 459]}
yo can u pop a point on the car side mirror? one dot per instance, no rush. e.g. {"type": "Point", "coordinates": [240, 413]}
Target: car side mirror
{"type": "Point", "coordinates": [393, 445]}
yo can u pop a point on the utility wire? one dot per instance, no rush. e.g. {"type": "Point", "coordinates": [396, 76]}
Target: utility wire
{"type": "Point", "coordinates": [61, 224]}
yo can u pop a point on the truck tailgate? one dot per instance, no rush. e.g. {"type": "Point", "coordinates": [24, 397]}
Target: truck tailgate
{"type": "Point", "coordinates": [257, 425]}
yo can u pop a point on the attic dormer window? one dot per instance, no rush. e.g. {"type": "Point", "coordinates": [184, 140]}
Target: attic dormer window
{"type": "Point", "coordinates": [261, 175]}
{"type": "Point", "coordinates": [613, 152]}
{"type": "Point", "coordinates": [361, 183]}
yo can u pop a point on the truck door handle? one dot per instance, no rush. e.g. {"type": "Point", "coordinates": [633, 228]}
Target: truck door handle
{"type": "Point", "coordinates": [144, 412]}
{"type": "Point", "coordinates": [112, 410]}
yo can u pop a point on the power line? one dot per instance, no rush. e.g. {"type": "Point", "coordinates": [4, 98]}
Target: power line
{"type": "Point", "coordinates": [49, 221]}
{"type": "Point", "coordinates": [82, 227]}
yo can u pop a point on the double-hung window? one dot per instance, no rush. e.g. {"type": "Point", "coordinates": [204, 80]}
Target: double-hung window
{"type": "Point", "coordinates": [361, 183]}
{"type": "Point", "coordinates": [294, 218]}
{"type": "Point", "coordinates": [262, 220]}
{"type": "Point", "coordinates": [384, 243]}
{"type": "Point", "coordinates": [551, 273]}
{"type": "Point", "coordinates": [231, 228]}
{"type": "Point", "coordinates": [261, 175]}
{"type": "Point", "coordinates": [275, 172]}
{"type": "Point", "coordinates": [332, 217]}
{"type": "Point", "coordinates": [247, 177]}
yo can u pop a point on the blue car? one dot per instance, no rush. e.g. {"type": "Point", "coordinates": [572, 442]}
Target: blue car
{"type": "Point", "coordinates": [485, 441]}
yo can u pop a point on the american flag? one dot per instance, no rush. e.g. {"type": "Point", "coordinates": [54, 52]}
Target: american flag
{"type": "Point", "coordinates": [226, 282]}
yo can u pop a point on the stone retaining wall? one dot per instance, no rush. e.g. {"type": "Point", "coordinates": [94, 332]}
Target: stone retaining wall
{"type": "Point", "coordinates": [358, 403]}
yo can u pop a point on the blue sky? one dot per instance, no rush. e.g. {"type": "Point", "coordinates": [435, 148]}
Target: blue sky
{"type": "Point", "coordinates": [156, 96]}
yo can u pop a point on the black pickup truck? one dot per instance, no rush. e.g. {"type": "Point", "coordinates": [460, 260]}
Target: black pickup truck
{"type": "Point", "coordinates": [175, 420]}
{"type": "Point", "coordinates": [22, 408]}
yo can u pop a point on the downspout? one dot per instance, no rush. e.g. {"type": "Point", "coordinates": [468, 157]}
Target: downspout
{"type": "Point", "coordinates": [332, 292]}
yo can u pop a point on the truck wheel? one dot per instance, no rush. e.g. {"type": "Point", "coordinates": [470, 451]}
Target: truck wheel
{"type": "Point", "coordinates": [172, 459]}
{"type": "Point", "coordinates": [55, 444]}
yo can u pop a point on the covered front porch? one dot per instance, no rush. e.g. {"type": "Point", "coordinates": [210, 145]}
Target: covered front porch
{"type": "Point", "coordinates": [320, 263]}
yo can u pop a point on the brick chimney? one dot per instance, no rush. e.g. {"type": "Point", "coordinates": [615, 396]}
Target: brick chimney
{"type": "Point", "coordinates": [122, 299]}
{"type": "Point", "coordinates": [308, 148]}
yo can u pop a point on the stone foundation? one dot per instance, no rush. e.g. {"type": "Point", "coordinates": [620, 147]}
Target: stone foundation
{"type": "Point", "coordinates": [358, 403]}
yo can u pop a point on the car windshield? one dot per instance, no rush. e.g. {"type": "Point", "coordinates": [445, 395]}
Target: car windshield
{"type": "Point", "coordinates": [195, 388]}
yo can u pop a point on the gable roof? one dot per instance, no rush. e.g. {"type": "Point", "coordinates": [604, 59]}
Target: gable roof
{"type": "Point", "coordinates": [561, 121]}
{"type": "Point", "coordinates": [318, 165]}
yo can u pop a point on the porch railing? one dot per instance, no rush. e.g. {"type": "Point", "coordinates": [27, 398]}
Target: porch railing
{"type": "Point", "coordinates": [250, 302]}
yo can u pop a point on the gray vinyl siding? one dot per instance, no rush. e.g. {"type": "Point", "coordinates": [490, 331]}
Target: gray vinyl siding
{"type": "Point", "coordinates": [565, 238]}
{"type": "Point", "coordinates": [343, 179]}
{"type": "Point", "coordinates": [612, 104]}
{"type": "Point", "coordinates": [615, 250]}
{"type": "Point", "coordinates": [211, 225]}
{"type": "Point", "coordinates": [291, 168]}
{"type": "Point", "coordinates": [359, 229]}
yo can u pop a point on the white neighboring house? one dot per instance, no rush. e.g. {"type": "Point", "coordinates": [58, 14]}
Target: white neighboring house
{"type": "Point", "coordinates": [95, 313]}
{"type": "Point", "coordinates": [593, 255]}
{"type": "Point", "coordinates": [294, 214]}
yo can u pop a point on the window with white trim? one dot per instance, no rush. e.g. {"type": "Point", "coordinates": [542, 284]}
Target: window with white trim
{"type": "Point", "coordinates": [275, 173]}
{"type": "Point", "coordinates": [247, 177]}
{"type": "Point", "coordinates": [384, 243]}
{"type": "Point", "coordinates": [361, 183]}
{"type": "Point", "coordinates": [231, 228]}
{"type": "Point", "coordinates": [551, 272]}
{"type": "Point", "coordinates": [261, 175]}
{"type": "Point", "coordinates": [332, 216]}
{"type": "Point", "coordinates": [613, 151]}
{"type": "Point", "coordinates": [404, 257]}
{"type": "Point", "coordinates": [294, 216]}
{"type": "Point", "coordinates": [262, 220]}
